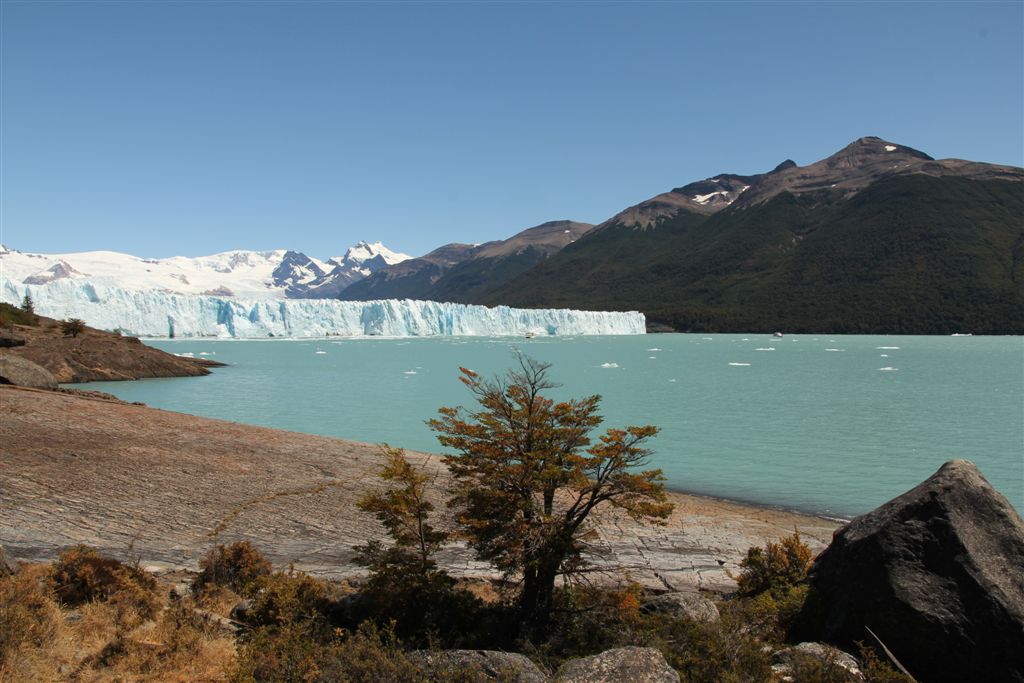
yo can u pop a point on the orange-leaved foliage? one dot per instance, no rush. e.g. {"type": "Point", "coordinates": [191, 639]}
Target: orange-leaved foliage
{"type": "Point", "coordinates": [528, 476]}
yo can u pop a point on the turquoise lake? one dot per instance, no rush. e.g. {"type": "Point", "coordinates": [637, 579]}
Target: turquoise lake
{"type": "Point", "coordinates": [832, 425]}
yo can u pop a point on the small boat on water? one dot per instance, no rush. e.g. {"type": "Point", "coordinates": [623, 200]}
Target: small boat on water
{"type": "Point", "coordinates": [529, 335]}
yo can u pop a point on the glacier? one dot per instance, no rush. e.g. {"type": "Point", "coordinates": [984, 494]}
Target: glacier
{"type": "Point", "coordinates": [155, 313]}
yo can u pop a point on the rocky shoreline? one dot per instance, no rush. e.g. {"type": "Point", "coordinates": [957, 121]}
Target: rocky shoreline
{"type": "Point", "coordinates": [92, 355]}
{"type": "Point", "coordinates": [163, 487]}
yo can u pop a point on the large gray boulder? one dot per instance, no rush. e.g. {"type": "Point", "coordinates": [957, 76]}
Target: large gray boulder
{"type": "Point", "coordinates": [683, 604]}
{"type": "Point", "coordinates": [24, 373]}
{"type": "Point", "coordinates": [937, 574]}
{"type": "Point", "coordinates": [492, 664]}
{"type": "Point", "coordinates": [633, 664]}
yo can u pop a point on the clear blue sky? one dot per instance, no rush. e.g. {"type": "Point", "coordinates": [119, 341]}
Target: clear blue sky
{"type": "Point", "coordinates": [195, 127]}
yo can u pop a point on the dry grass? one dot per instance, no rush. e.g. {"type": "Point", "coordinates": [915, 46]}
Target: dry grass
{"type": "Point", "coordinates": [115, 636]}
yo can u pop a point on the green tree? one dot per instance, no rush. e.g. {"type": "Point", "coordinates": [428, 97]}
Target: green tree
{"type": "Point", "coordinates": [405, 585]}
{"type": "Point", "coordinates": [72, 327]}
{"type": "Point", "coordinates": [29, 307]}
{"type": "Point", "coordinates": [528, 477]}
{"type": "Point", "coordinates": [404, 510]}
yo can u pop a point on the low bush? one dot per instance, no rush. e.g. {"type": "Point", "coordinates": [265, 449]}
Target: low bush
{"type": "Point", "coordinates": [82, 575]}
{"type": "Point", "coordinates": [771, 615]}
{"type": "Point", "coordinates": [181, 647]}
{"type": "Point", "coordinates": [29, 617]}
{"type": "Point", "coordinates": [286, 653]}
{"type": "Point", "coordinates": [587, 621]}
{"type": "Point", "coordinates": [237, 566]}
{"type": "Point", "coordinates": [289, 599]}
{"type": "Point", "coordinates": [808, 668]}
{"type": "Point", "coordinates": [72, 327]}
{"type": "Point", "coordinates": [777, 566]}
{"type": "Point", "coordinates": [721, 652]}
{"type": "Point", "coordinates": [426, 607]}
{"type": "Point", "coordinates": [877, 670]}
{"type": "Point", "coordinates": [12, 315]}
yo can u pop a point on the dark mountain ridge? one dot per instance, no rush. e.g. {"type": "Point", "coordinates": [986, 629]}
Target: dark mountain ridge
{"type": "Point", "coordinates": [877, 238]}
{"type": "Point", "coordinates": [464, 272]}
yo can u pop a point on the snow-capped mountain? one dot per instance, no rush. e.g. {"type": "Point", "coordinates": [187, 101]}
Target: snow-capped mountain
{"type": "Point", "coordinates": [277, 274]}
{"type": "Point", "coordinates": [360, 261]}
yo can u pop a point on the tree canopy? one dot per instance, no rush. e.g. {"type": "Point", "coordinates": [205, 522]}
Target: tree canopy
{"type": "Point", "coordinates": [528, 476]}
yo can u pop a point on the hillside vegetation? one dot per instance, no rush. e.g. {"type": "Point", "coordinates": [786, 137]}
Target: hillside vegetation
{"type": "Point", "coordinates": [912, 254]}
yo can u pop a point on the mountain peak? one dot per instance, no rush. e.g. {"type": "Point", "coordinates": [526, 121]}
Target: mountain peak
{"type": "Point", "coordinates": [362, 252]}
{"type": "Point", "coordinates": [862, 163]}
{"type": "Point", "coordinates": [866, 149]}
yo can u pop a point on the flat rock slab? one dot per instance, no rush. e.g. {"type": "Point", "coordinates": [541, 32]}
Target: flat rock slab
{"type": "Point", "coordinates": [489, 664]}
{"type": "Point", "coordinates": [634, 664]}
{"type": "Point", "coordinates": [163, 487]}
{"type": "Point", "coordinates": [24, 373]}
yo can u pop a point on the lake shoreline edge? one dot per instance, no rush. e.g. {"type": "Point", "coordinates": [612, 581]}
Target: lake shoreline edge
{"type": "Point", "coordinates": [164, 487]}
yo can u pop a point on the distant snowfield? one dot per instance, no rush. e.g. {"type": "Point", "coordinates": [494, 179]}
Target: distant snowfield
{"type": "Point", "coordinates": [245, 274]}
{"type": "Point", "coordinates": [156, 313]}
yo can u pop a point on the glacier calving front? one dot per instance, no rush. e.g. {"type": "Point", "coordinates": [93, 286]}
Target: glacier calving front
{"type": "Point", "coordinates": [162, 314]}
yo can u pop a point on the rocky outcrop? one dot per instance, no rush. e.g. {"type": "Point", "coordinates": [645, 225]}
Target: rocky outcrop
{"type": "Point", "coordinates": [689, 605]}
{"type": "Point", "coordinates": [9, 340]}
{"type": "Point", "coordinates": [634, 664]}
{"type": "Point", "coordinates": [490, 664]}
{"type": "Point", "coordinates": [24, 373]}
{"type": "Point", "coordinates": [96, 356]}
{"type": "Point", "coordinates": [833, 663]}
{"type": "Point", "coordinates": [937, 574]}
{"type": "Point", "coordinates": [8, 565]}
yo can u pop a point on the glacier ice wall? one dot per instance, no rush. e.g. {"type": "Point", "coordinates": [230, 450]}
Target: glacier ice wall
{"type": "Point", "coordinates": [153, 313]}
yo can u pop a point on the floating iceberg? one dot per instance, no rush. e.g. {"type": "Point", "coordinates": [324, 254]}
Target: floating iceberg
{"type": "Point", "coordinates": [155, 313]}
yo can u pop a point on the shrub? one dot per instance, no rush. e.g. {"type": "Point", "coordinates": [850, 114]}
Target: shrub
{"type": "Point", "coordinates": [877, 670]}
{"type": "Point", "coordinates": [723, 652]}
{"type": "Point", "coordinates": [287, 654]}
{"type": "Point", "coordinates": [181, 646]}
{"type": "Point", "coordinates": [29, 618]}
{"type": "Point", "coordinates": [12, 315]}
{"type": "Point", "coordinates": [236, 566]}
{"type": "Point", "coordinates": [72, 327]}
{"type": "Point", "coordinates": [808, 668]}
{"type": "Point", "coordinates": [426, 606]}
{"type": "Point", "coordinates": [282, 599]}
{"type": "Point", "coordinates": [771, 615]}
{"type": "Point", "coordinates": [589, 620]}
{"type": "Point", "coordinates": [777, 566]}
{"type": "Point", "coordinates": [81, 575]}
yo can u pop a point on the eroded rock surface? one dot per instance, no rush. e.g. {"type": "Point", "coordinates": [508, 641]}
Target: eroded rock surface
{"type": "Point", "coordinates": [8, 565]}
{"type": "Point", "coordinates": [937, 574]}
{"type": "Point", "coordinates": [495, 665]}
{"type": "Point", "coordinates": [634, 664]}
{"type": "Point", "coordinates": [690, 605]}
{"type": "Point", "coordinates": [24, 373]}
{"type": "Point", "coordinates": [164, 487]}
{"type": "Point", "coordinates": [831, 660]}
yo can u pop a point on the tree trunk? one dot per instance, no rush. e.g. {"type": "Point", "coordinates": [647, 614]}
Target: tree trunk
{"type": "Point", "coordinates": [536, 600]}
